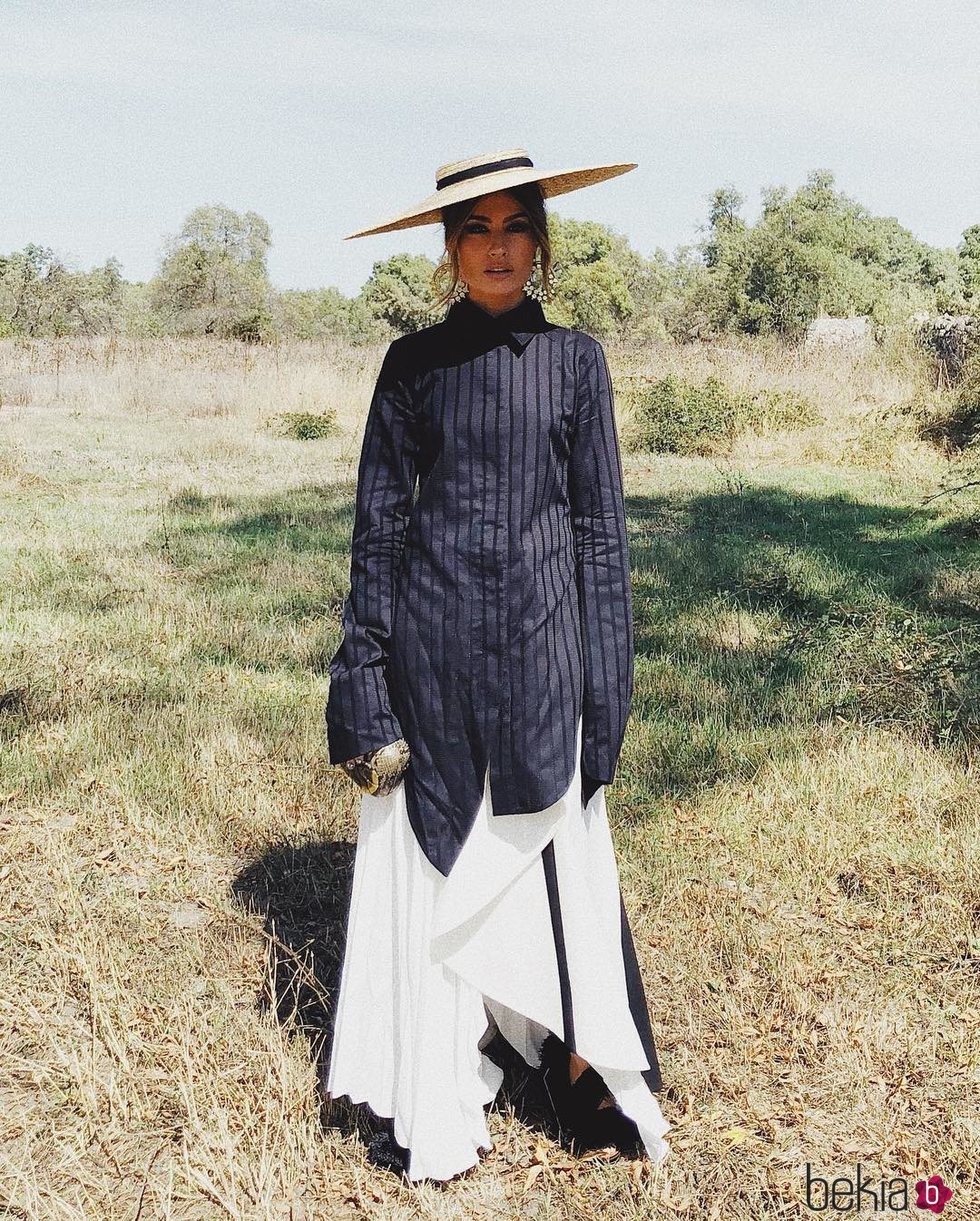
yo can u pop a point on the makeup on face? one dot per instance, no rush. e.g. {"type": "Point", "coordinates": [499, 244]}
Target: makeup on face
{"type": "Point", "coordinates": [496, 252]}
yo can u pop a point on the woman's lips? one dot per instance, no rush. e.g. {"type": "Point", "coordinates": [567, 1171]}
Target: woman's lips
{"type": "Point", "coordinates": [499, 271]}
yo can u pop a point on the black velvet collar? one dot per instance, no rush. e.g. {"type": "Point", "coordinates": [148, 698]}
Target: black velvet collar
{"type": "Point", "coordinates": [517, 326]}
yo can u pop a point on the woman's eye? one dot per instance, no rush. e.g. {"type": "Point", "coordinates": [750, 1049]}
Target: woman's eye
{"type": "Point", "coordinates": [519, 227]}
{"type": "Point", "coordinates": [476, 228]}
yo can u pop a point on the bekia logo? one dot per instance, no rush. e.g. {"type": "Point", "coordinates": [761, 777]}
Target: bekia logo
{"type": "Point", "coordinates": [932, 1193]}
{"type": "Point", "coordinates": [845, 1194]}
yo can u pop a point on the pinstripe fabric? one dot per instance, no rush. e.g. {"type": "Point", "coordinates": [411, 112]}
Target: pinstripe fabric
{"type": "Point", "coordinates": [490, 598]}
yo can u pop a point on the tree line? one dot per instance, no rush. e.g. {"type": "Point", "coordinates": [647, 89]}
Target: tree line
{"type": "Point", "coordinates": [813, 251]}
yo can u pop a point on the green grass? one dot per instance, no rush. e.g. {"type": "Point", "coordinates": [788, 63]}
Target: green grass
{"type": "Point", "coordinates": [835, 610]}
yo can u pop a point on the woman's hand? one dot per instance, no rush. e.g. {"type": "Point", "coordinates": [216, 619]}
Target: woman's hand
{"type": "Point", "coordinates": [380, 771]}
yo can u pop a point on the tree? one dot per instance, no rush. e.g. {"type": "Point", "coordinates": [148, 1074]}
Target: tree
{"type": "Point", "coordinates": [599, 271]}
{"type": "Point", "coordinates": [213, 279]}
{"type": "Point", "coordinates": [399, 292]}
{"type": "Point", "coordinates": [41, 297]}
{"type": "Point", "coordinates": [325, 313]}
{"type": "Point", "coordinates": [969, 265]}
{"type": "Point", "coordinates": [725, 224]}
{"type": "Point", "coordinates": [815, 250]}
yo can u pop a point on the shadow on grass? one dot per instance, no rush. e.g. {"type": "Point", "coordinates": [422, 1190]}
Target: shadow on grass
{"type": "Point", "coordinates": [302, 894]}
{"type": "Point", "coordinates": [263, 561]}
{"type": "Point", "coordinates": [761, 613]}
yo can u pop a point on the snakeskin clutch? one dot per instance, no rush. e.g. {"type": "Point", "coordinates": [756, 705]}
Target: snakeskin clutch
{"type": "Point", "coordinates": [379, 771]}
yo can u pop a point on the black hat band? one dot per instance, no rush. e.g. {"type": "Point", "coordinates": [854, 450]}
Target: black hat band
{"type": "Point", "coordinates": [489, 167]}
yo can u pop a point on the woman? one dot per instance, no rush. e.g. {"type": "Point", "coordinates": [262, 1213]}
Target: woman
{"type": "Point", "coordinates": [487, 664]}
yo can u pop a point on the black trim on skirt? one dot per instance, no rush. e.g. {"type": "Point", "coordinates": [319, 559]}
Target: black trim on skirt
{"type": "Point", "coordinates": [638, 1003]}
{"type": "Point", "coordinates": [634, 982]}
{"type": "Point", "coordinates": [564, 981]}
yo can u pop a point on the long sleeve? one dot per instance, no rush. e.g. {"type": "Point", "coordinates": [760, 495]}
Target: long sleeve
{"type": "Point", "coordinates": [602, 570]}
{"type": "Point", "coordinates": [358, 712]}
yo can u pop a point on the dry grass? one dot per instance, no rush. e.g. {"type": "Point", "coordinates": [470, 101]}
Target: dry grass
{"type": "Point", "coordinates": [797, 824]}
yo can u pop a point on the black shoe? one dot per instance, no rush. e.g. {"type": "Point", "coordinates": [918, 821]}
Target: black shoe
{"type": "Point", "coordinates": [577, 1109]}
{"type": "Point", "coordinates": [384, 1152]}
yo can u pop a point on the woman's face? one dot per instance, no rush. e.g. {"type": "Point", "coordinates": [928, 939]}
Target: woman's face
{"type": "Point", "coordinates": [496, 252]}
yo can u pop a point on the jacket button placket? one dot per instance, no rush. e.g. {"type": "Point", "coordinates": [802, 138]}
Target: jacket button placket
{"type": "Point", "coordinates": [504, 434]}
{"type": "Point", "coordinates": [487, 535]}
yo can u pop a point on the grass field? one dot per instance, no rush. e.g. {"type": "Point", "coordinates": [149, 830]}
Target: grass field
{"type": "Point", "coordinates": [796, 811]}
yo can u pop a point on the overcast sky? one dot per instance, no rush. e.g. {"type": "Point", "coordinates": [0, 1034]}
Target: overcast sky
{"type": "Point", "coordinates": [119, 117]}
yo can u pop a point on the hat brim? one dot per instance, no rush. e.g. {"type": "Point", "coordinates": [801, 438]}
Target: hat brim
{"type": "Point", "coordinates": [552, 182]}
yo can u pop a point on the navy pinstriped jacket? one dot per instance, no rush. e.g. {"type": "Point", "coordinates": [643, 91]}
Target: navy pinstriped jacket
{"type": "Point", "coordinates": [490, 597]}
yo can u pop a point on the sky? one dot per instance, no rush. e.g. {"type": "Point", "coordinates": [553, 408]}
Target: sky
{"type": "Point", "coordinates": [118, 117]}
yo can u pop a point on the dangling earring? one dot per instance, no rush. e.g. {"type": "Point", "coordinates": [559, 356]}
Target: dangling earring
{"type": "Point", "coordinates": [459, 292]}
{"type": "Point", "coordinates": [535, 285]}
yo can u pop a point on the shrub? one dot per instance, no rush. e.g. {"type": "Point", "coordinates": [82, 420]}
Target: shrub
{"type": "Point", "coordinates": [251, 327]}
{"type": "Point", "coordinates": [885, 436]}
{"type": "Point", "coordinates": [968, 401]}
{"type": "Point", "coordinates": [772, 409]}
{"type": "Point", "coordinates": [325, 313]}
{"type": "Point", "coordinates": [307, 425]}
{"type": "Point", "coordinates": [677, 416]}
{"type": "Point", "coordinates": [956, 426]}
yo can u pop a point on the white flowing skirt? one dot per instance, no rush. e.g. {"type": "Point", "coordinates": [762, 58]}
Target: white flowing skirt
{"type": "Point", "coordinates": [432, 964]}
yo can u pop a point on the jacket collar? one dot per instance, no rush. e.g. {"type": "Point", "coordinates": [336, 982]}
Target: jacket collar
{"type": "Point", "coordinates": [517, 327]}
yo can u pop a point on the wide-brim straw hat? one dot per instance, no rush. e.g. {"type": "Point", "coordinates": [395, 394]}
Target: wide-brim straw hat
{"type": "Point", "coordinates": [460, 180]}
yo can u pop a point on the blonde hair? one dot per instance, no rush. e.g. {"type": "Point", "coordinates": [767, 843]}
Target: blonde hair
{"type": "Point", "coordinates": [445, 278]}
